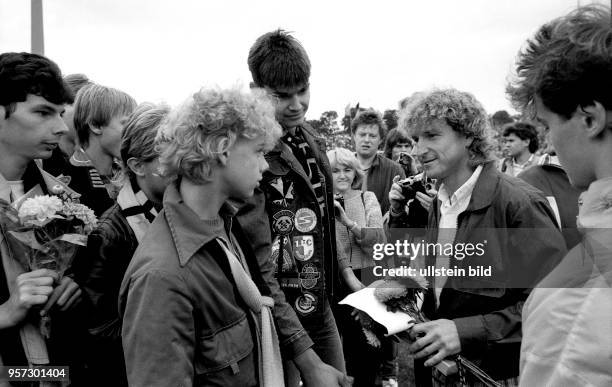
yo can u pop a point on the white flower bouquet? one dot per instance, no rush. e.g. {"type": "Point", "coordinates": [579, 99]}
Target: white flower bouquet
{"type": "Point", "coordinates": [49, 231]}
{"type": "Point", "coordinates": [45, 233]}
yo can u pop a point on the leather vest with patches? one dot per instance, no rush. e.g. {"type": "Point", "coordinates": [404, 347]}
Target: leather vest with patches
{"type": "Point", "coordinates": [302, 249]}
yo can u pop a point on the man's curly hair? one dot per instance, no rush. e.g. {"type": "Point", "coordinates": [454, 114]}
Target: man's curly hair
{"type": "Point", "coordinates": [567, 64]}
{"type": "Point", "coordinates": [24, 73]}
{"type": "Point", "coordinates": [195, 134]}
{"type": "Point", "coordinates": [460, 110]}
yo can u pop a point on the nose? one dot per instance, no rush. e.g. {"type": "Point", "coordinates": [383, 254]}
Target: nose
{"type": "Point", "coordinates": [294, 104]}
{"type": "Point", "coordinates": [263, 166]}
{"type": "Point", "coordinates": [419, 149]}
{"type": "Point", "coordinates": [59, 127]}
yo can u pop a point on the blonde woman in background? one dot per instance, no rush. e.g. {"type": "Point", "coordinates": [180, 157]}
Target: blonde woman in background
{"type": "Point", "coordinates": [359, 226]}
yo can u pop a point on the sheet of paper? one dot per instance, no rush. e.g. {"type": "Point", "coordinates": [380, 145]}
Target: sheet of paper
{"type": "Point", "coordinates": [365, 301]}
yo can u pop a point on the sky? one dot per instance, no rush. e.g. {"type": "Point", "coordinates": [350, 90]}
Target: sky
{"type": "Point", "coordinates": [372, 52]}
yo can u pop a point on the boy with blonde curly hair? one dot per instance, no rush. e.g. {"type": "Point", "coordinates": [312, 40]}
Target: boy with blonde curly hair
{"type": "Point", "coordinates": [196, 310]}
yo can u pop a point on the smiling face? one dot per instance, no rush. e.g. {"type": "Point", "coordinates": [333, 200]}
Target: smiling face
{"type": "Point", "coordinates": [33, 130]}
{"type": "Point", "coordinates": [291, 104]}
{"type": "Point", "coordinates": [367, 140]}
{"type": "Point", "coordinates": [441, 151]}
{"type": "Point", "coordinates": [244, 167]}
{"type": "Point", "coordinates": [344, 176]}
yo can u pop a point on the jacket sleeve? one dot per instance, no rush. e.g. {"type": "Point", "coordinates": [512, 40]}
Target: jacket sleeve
{"type": "Point", "coordinates": [532, 220]}
{"type": "Point", "coordinates": [158, 351]}
{"type": "Point", "coordinates": [254, 221]}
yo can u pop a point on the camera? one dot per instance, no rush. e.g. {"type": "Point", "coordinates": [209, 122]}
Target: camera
{"type": "Point", "coordinates": [413, 184]}
{"type": "Point", "coordinates": [340, 199]}
{"type": "Point", "coordinates": [408, 163]}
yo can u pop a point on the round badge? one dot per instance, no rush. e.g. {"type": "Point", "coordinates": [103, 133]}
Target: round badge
{"type": "Point", "coordinates": [306, 303]}
{"type": "Point", "coordinates": [305, 220]}
{"type": "Point", "coordinates": [309, 276]}
{"type": "Point", "coordinates": [303, 247]}
{"type": "Point", "coordinates": [282, 222]}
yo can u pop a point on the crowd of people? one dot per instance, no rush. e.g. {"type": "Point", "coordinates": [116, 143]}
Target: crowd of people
{"type": "Point", "coordinates": [227, 233]}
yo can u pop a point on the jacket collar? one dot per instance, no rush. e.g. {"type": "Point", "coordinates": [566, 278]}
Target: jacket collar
{"type": "Point", "coordinates": [37, 182]}
{"type": "Point", "coordinates": [189, 231]}
{"type": "Point", "coordinates": [484, 189]}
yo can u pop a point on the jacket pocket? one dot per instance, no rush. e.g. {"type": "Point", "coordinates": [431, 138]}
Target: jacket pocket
{"type": "Point", "coordinates": [226, 356]}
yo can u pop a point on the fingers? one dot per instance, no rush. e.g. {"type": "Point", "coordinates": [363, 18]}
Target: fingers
{"type": "Point", "coordinates": [396, 178]}
{"type": "Point", "coordinates": [68, 293]}
{"type": "Point", "coordinates": [74, 299]}
{"type": "Point", "coordinates": [59, 290]}
{"type": "Point", "coordinates": [420, 343]}
{"type": "Point", "coordinates": [438, 357]}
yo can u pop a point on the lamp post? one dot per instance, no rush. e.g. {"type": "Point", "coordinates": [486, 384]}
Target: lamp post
{"type": "Point", "coordinates": [38, 36]}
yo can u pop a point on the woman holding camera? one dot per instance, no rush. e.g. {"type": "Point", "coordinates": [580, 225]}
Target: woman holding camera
{"type": "Point", "coordinates": [358, 227]}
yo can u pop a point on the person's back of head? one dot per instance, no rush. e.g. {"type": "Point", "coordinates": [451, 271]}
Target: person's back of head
{"type": "Point", "coordinates": [524, 131]}
{"type": "Point", "coordinates": [76, 82]}
{"type": "Point", "coordinates": [277, 60]}
{"type": "Point", "coordinates": [567, 64]}
{"type": "Point", "coordinates": [96, 106]}
{"type": "Point", "coordinates": [138, 137]}
{"type": "Point", "coordinates": [22, 74]}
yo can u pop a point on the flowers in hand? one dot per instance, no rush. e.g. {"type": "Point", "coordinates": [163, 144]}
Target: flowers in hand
{"type": "Point", "coordinates": [38, 210]}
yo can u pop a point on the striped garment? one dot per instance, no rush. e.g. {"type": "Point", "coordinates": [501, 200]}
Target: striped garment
{"type": "Point", "coordinates": [302, 152]}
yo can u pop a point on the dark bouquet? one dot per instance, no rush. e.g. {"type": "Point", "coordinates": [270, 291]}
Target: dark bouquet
{"type": "Point", "coordinates": [399, 296]}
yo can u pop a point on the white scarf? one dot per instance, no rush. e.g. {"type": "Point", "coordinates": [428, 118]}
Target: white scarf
{"type": "Point", "coordinates": [128, 199]}
{"type": "Point", "coordinates": [270, 361]}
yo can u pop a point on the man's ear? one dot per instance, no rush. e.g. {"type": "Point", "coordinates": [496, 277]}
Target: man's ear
{"type": "Point", "coordinates": [95, 130]}
{"type": "Point", "coordinates": [252, 85]}
{"type": "Point", "coordinates": [136, 166]}
{"type": "Point", "coordinates": [594, 118]}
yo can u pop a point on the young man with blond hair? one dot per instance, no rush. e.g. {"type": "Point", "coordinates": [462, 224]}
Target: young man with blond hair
{"type": "Point", "coordinates": [100, 113]}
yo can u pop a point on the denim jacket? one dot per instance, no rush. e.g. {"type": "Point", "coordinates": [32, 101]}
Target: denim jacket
{"type": "Point", "coordinates": [184, 322]}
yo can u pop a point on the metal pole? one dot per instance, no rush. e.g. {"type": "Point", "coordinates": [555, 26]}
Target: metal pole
{"type": "Point", "coordinates": [38, 36]}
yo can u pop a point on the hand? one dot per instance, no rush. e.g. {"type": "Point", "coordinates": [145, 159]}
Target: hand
{"type": "Point", "coordinates": [438, 338]}
{"type": "Point", "coordinates": [341, 215]}
{"type": "Point", "coordinates": [65, 295]}
{"type": "Point", "coordinates": [396, 199]}
{"type": "Point", "coordinates": [33, 288]}
{"type": "Point", "coordinates": [426, 199]}
{"type": "Point", "coordinates": [315, 373]}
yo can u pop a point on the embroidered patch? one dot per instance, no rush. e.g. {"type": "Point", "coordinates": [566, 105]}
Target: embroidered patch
{"type": "Point", "coordinates": [303, 247]}
{"type": "Point", "coordinates": [283, 194]}
{"type": "Point", "coordinates": [306, 303]}
{"type": "Point", "coordinates": [283, 222]}
{"type": "Point", "coordinates": [305, 220]}
{"type": "Point", "coordinates": [309, 276]}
